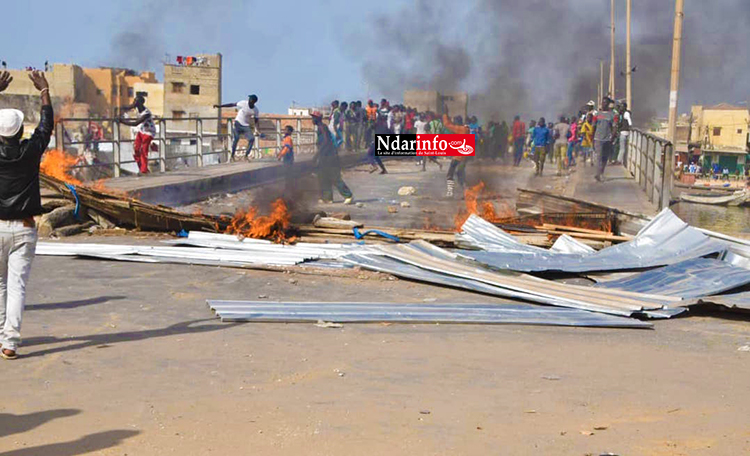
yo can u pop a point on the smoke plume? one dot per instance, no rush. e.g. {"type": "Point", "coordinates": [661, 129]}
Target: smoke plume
{"type": "Point", "coordinates": [540, 58]}
{"type": "Point", "coordinates": [196, 26]}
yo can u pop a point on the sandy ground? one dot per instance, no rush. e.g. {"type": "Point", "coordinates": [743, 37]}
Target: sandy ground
{"type": "Point", "coordinates": [126, 359]}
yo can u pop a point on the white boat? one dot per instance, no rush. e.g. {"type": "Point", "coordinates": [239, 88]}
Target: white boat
{"type": "Point", "coordinates": [737, 198]}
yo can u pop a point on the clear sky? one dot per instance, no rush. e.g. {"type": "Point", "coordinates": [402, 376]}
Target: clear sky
{"type": "Point", "coordinates": [282, 50]}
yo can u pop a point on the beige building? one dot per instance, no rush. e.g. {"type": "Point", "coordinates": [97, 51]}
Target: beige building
{"type": "Point", "coordinates": [721, 133]}
{"type": "Point", "coordinates": [191, 91]}
{"type": "Point", "coordinates": [76, 92]}
{"type": "Point", "coordinates": [431, 100]}
{"type": "Point", "coordinates": [154, 94]}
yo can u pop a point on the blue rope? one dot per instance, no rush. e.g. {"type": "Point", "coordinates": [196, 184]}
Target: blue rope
{"type": "Point", "coordinates": [359, 235]}
{"type": "Point", "coordinates": [78, 202]}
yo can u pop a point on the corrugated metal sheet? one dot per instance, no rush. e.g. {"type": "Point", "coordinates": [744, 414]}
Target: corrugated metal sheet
{"type": "Point", "coordinates": [349, 312]}
{"type": "Point", "coordinates": [733, 301]}
{"type": "Point", "coordinates": [688, 279]}
{"type": "Point", "coordinates": [665, 240]}
{"type": "Point", "coordinates": [432, 258]}
{"type": "Point", "coordinates": [566, 244]}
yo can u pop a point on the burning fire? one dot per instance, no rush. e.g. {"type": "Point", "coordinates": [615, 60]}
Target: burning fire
{"type": "Point", "coordinates": [58, 164]}
{"type": "Point", "coordinates": [477, 203]}
{"type": "Point", "coordinates": [250, 224]}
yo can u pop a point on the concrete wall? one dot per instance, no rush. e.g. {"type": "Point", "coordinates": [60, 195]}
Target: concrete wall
{"type": "Point", "coordinates": [457, 103]}
{"type": "Point", "coordinates": [422, 100]}
{"type": "Point", "coordinates": [61, 78]}
{"type": "Point", "coordinates": [431, 100]}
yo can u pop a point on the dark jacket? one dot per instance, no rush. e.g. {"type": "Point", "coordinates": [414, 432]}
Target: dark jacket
{"type": "Point", "coordinates": [19, 172]}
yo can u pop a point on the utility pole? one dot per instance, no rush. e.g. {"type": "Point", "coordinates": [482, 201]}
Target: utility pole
{"type": "Point", "coordinates": [674, 88]}
{"type": "Point", "coordinates": [628, 70]}
{"type": "Point", "coordinates": [601, 84]}
{"type": "Point", "coordinates": [612, 57]}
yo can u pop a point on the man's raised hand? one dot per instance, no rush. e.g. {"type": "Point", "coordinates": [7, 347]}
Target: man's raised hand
{"type": "Point", "coordinates": [5, 80]}
{"type": "Point", "coordinates": [40, 82]}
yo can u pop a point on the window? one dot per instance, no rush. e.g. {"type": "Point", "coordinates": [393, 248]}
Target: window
{"type": "Point", "coordinates": [178, 114]}
{"type": "Point", "coordinates": [195, 90]}
{"type": "Point", "coordinates": [114, 91]}
{"type": "Point", "coordinates": [130, 91]}
{"type": "Point", "coordinates": [178, 87]}
{"type": "Point", "coordinates": [142, 94]}
{"type": "Point", "coordinates": [739, 131]}
{"type": "Point", "coordinates": [717, 131]}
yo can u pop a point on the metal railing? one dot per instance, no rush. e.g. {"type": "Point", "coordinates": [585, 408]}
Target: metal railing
{"type": "Point", "coordinates": [180, 142]}
{"type": "Point", "coordinates": [646, 158]}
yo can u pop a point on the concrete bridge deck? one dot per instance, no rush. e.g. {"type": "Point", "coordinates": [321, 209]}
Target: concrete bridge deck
{"type": "Point", "coordinates": [190, 185]}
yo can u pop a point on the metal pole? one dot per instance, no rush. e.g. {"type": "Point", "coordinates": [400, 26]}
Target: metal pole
{"type": "Point", "coordinates": [299, 134]}
{"type": "Point", "coordinates": [163, 149]}
{"type": "Point", "coordinates": [628, 70]}
{"type": "Point", "coordinates": [199, 140]}
{"type": "Point", "coordinates": [674, 88]}
{"type": "Point", "coordinates": [612, 57]}
{"type": "Point", "coordinates": [116, 147]}
{"type": "Point", "coordinates": [278, 135]}
{"type": "Point", "coordinates": [601, 84]}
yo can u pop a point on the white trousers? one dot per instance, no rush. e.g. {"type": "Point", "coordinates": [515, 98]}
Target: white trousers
{"type": "Point", "coordinates": [17, 247]}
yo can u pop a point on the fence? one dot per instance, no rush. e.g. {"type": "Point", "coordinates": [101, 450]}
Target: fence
{"type": "Point", "coordinates": [180, 143]}
{"type": "Point", "coordinates": [645, 160]}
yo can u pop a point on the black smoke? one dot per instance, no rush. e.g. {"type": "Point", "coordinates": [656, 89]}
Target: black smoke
{"type": "Point", "coordinates": [150, 29]}
{"type": "Point", "coordinates": [536, 57]}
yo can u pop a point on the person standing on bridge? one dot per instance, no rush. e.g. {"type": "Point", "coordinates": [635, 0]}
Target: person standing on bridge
{"type": "Point", "coordinates": [457, 167]}
{"type": "Point", "coordinates": [146, 132]}
{"type": "Point", "coordinates": [20, 202]}
{"type": "Point", "coordinates": [603, 137]}
{"type": "Point", "coordinates": [624, 127]}
{"type": "Point", "coordinates": [247, 114]}
{"type": "Point", "coordinates": [541, 138]}
{"type": "Point", "coordinates": [561, 143]}
{"type": "Point", "coordinates": [286, 156]}
{"type": "Point", "coordinates": [326, 160]}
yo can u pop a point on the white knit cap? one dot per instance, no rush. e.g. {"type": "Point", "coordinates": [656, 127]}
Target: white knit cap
{"type": "Point", "coordinates": [11, 121]}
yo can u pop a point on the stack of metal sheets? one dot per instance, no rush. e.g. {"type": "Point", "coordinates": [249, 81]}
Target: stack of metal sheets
{"type": "Point", "coordinates": [665, 240]}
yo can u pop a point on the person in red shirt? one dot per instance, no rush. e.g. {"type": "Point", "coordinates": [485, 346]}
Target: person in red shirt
{"type": "Point", "coordinates": [409, 121]}
{"type": "Point", "coordinates": [519, 136]}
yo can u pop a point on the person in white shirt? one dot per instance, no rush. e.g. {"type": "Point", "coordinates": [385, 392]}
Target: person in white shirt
{"type": "Point", "coordinates": [420, 125]}
{"type": "Point", "coordinates": [146, 132]}
{"type": "Point", "coordinates": [625, 124]}
{"type": "Point", "coordinates": [247, 114]}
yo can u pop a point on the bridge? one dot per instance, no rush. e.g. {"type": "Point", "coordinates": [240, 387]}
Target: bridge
{"type": "Point", "coordinates": [192, 162]}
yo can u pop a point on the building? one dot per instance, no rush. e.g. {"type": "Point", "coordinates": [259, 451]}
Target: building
{"type": "Point", "coordinates": [76, 92]}
{"type": "Point", "coordinates": [431, 100]}
{"type": "Point", "coordinates": [297, 111]}
{"type": "Point", "coordinates": [153, 92]}
{"type": "Point", "coordinates": [191, 90]}
{"type": "Point", "coordinates": [721, 134]}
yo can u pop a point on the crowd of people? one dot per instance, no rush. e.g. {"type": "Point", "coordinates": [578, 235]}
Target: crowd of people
{"type": "Point", "coordinates": [595, 136]}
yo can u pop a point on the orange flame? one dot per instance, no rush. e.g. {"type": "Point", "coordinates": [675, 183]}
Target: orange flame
{"type": "Point", "coordinates": [250, 224]}
{"type": "Point", "coordinates": [484, 208]}
{"type": "Point", "coordinates": [58, 164]}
